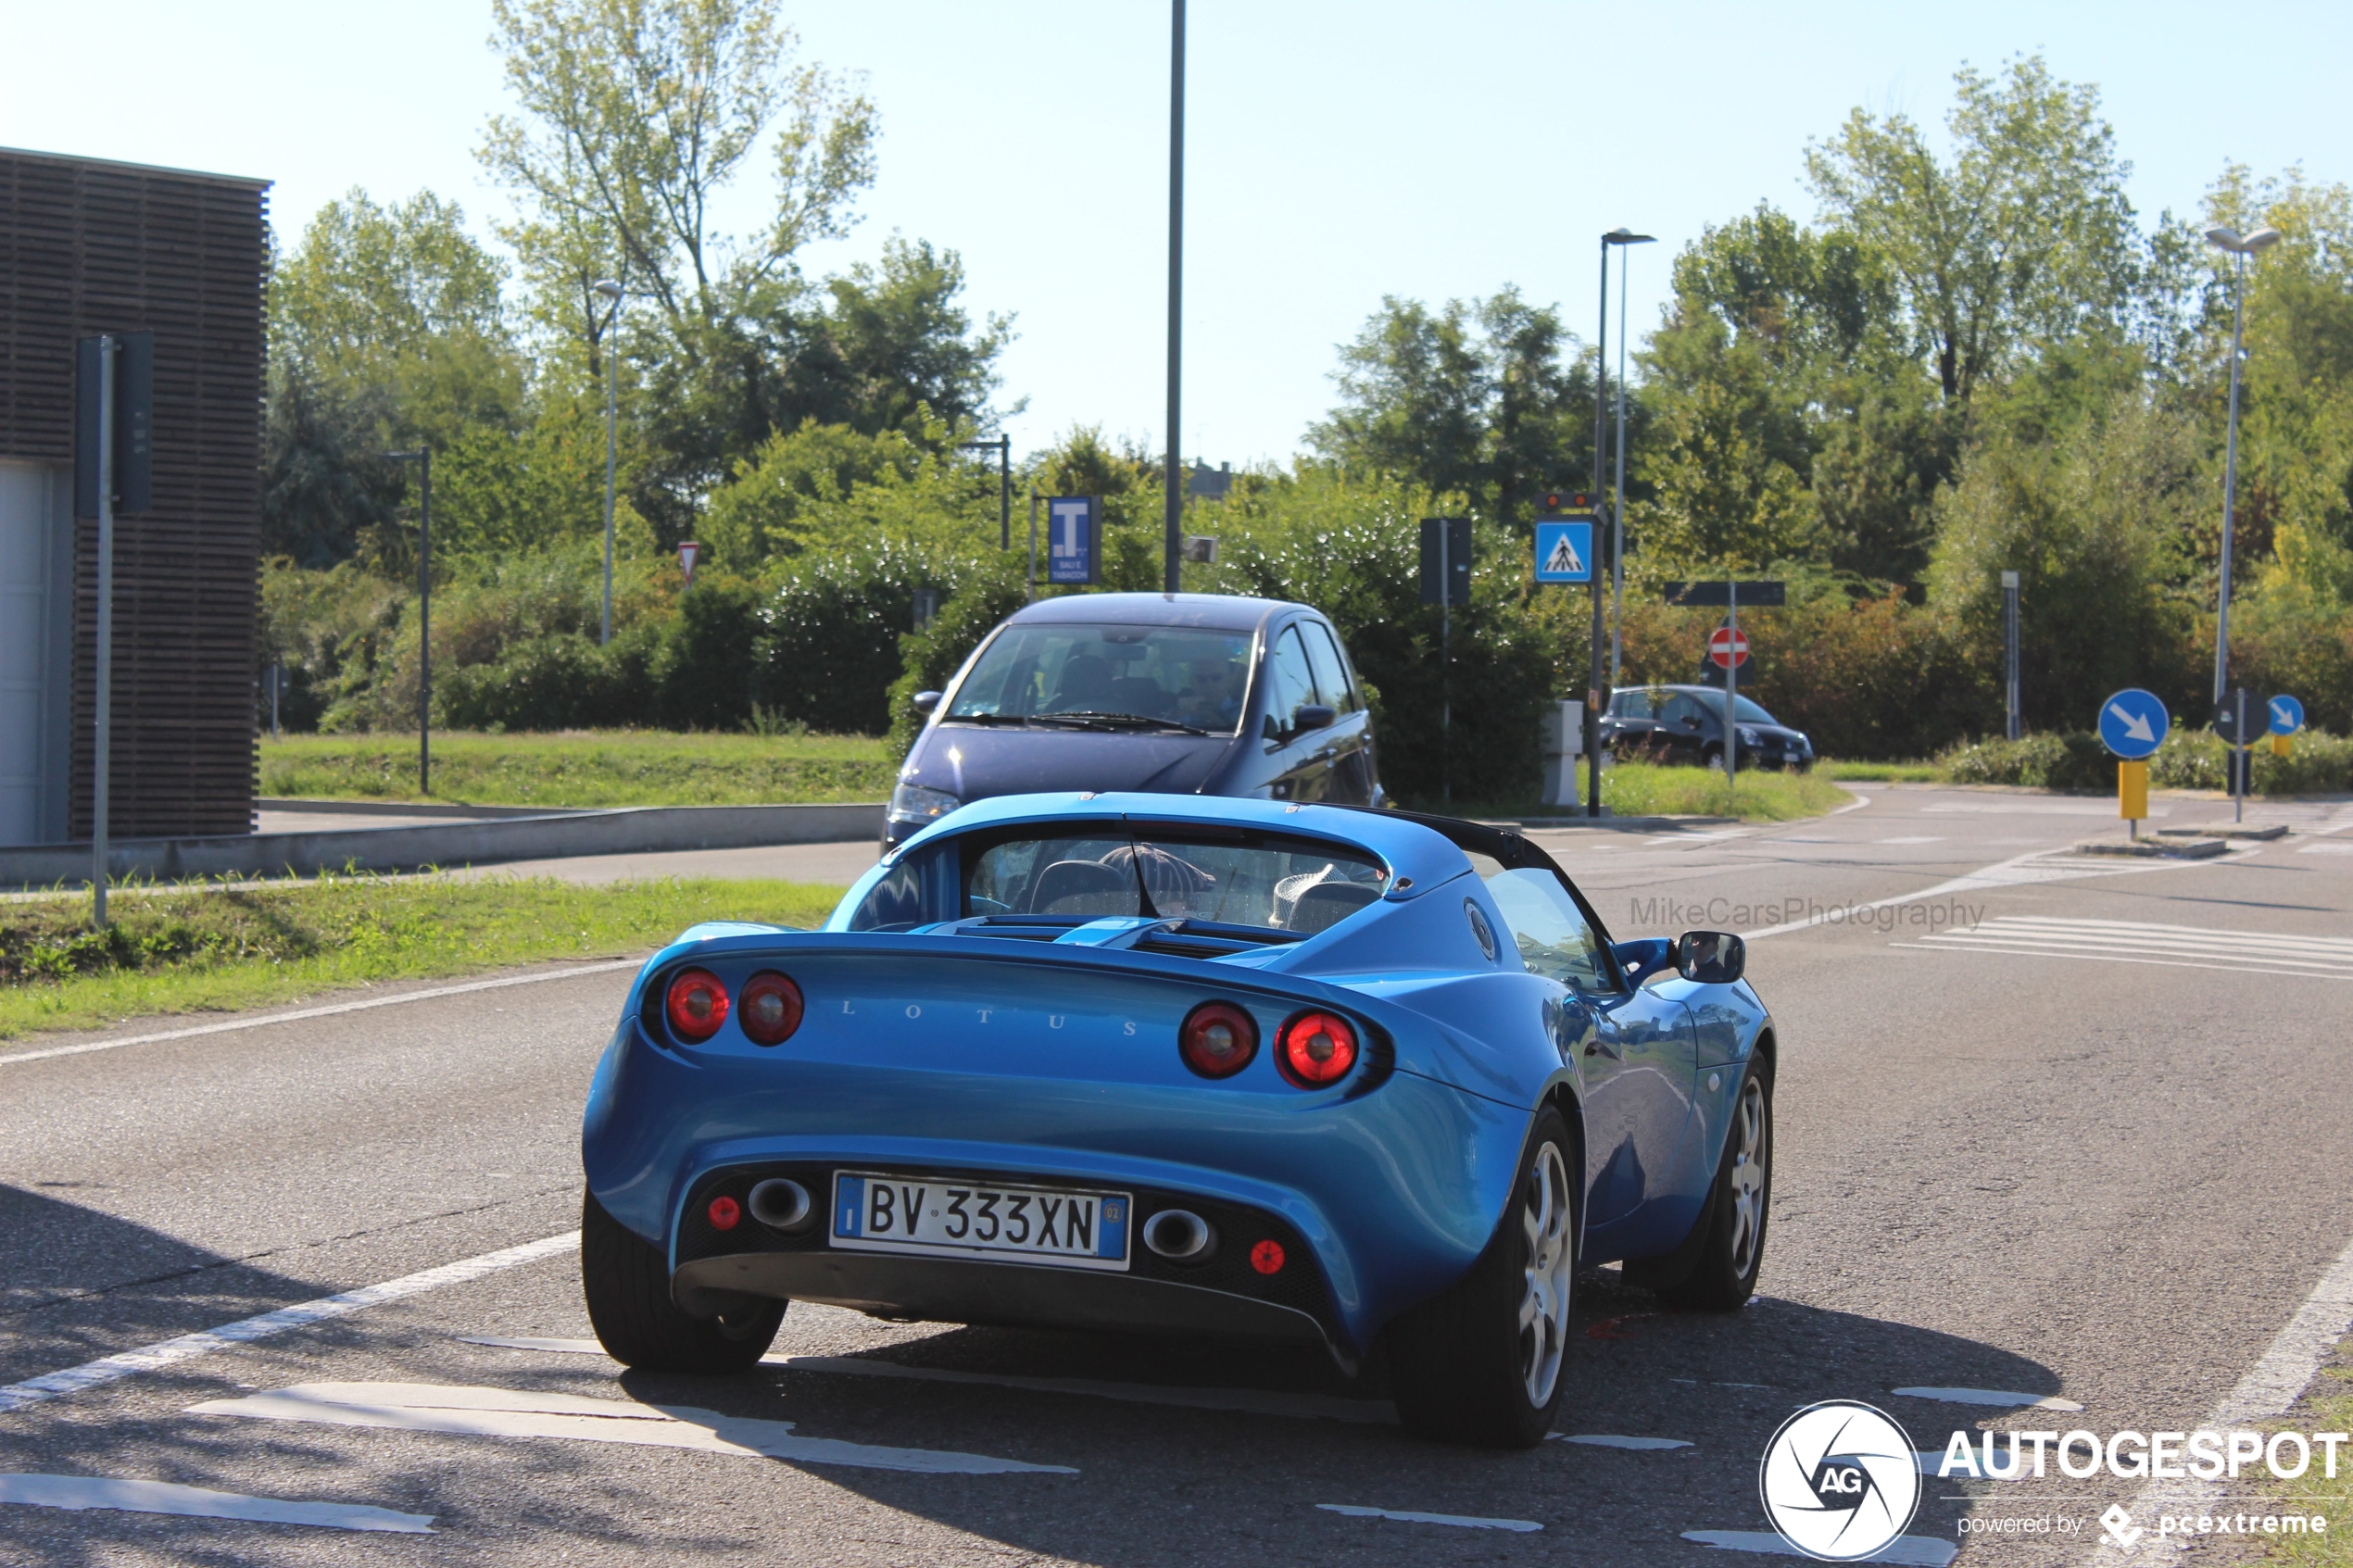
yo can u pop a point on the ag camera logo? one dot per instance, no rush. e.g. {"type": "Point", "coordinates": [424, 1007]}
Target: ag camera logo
{"type": "Point", "coordinates": [1839, 1480]}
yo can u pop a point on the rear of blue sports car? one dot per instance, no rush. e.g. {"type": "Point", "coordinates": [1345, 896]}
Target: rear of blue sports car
{"type": "Point", "coordinates": [1182, 1075]}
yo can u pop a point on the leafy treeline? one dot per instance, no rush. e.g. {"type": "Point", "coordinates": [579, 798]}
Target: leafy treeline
{"type": "Point", "coordinates": [1972, 357]}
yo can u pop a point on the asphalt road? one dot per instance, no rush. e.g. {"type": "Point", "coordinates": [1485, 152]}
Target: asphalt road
{"type": "Point", "coordinates": [2077, 1128]}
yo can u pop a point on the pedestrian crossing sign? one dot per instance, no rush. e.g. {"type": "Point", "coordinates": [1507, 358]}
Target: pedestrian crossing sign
{"type": "Point", "coordinates": [1565, 552]}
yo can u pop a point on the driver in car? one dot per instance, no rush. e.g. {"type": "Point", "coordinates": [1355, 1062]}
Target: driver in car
{"type": "Point", "coordinates": [1212, 697]}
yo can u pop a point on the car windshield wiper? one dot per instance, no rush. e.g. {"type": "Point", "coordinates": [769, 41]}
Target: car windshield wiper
{"type": "Point", "coordinates": [985, 719]}
{"type": "Point", "coordinates": [1125, 720]}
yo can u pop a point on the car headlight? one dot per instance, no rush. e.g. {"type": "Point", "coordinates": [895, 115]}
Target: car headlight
{"type": "Point", "coordinates": [913, 803]}
{"type": "Point", "coordinates": [1750, 738]}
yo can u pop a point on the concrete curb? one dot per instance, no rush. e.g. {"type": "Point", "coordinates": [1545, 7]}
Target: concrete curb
{"type": "Point", "coordinates": [2146, 848]}
{"type": "Point", "coordinates": [417, 808]}
{"type": "Point", "coordinates": [629, 830]}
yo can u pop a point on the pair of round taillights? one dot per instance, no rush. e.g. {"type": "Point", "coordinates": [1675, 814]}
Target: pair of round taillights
{"type": "Point", "coordinates": [1312, 1050]}
{"type": "Point", "coordinates": [768, 1010]}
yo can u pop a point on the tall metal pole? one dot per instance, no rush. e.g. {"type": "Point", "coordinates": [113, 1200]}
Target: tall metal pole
{"type": "Point", "coordinates": [1032, 591]}
{"type": "Point", "coordinates": [606, 635]}
{"type": "Point", "coordinates": [1173, 479]}
{"type": "Point", "coordinates": [1618, 502]}
{"type": "Point", "coordinates": [424, 620]}
{"type": "Point", "coordinates": [1594, 697]}
{"type": "Point", "coordinates": [103, 744]}
{"type": "Point", "coordinates": [2015, 723]}
{"type": "Point", "coordinates": [2230, 486]}
{"type": "Point", "coordinates": [1004, 492]}
{"type": "Point", "coordinates": [1445, 662]}
{"type": "Point", "coordinates": [1732, 688]}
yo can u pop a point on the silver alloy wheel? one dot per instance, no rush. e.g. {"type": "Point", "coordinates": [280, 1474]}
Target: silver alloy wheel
{"type": "Point", "coordinates": [1751, 1164]}
{"type": "Point", "coordinates": [1547, 1221]}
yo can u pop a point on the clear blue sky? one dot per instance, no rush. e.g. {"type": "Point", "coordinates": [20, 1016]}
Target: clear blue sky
{"type": "Point", "coordinates": [1338, 152]}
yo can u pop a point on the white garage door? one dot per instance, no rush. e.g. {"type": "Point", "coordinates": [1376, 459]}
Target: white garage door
{"type": "Point", "coordinates": [24, 570]}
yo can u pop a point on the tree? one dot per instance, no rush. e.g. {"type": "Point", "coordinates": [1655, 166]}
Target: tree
{"type": "Point", "coordinates": [2025, 235]}
{"type": "Point", "coordinates": [1474, 400]}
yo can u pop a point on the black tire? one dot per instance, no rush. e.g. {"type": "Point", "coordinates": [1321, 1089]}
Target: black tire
{"type": "Point", "coordinates": [1739, 1206]}
{"type": "Point", "coordinates": [1460, 1366]}
{"type": "Point", "coordinates": [626, 1281]}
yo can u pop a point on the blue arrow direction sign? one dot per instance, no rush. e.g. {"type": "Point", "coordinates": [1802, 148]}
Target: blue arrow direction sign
{"type": "Point", "coordinates": [2132, 724]}
{"type": "Point", "coordinates": [2287, 715]}
{"type": "Point", "coordinates": [1565, 552]}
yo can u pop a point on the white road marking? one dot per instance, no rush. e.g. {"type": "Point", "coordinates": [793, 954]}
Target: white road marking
{"type": "Point", "coordinates": [2030, 809]}
{"type": "Point", "coordinates": [2327, 848]}
{"type": "Point", "coordinates": [1249, 1401]}
{"type": "Point", "coordinates": [2034, 867]}
{"type": "Point", "coordinates": [2183, 947]}
{"type": "Point", "coordinates": [2001, 1397]}
{"type": "Point", "coordinates": [499, 1413]}
{"type": "Point", "coordinates": [1913, 838]}
{"type": "Point", "coordinates": [329, 1011]}
{"type": "Point", "coordinates": [1605, 1441]}
{"type": "Point", "coordinates": [170, 1352]}
{"type": "Point", "coordinates": [1468, 1521]}
{"type": "Point", "coordinates": [1855, 804]}
{"type": "Point", "coordinates": [1921, 1551]}
{"type": "Point", "coordinates": [2274, 1383]}
{"type": "Point", "coordinates": [78, 1492]}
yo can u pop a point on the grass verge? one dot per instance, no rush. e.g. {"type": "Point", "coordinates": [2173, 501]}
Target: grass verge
{"type": "Point", "coordinates": [1879, 772]}
{"type": "Point", "coordinates": [193, 948]}
{"type": "Point", "coordinates": [2327, 1406]}
{"type": "Point", "coordinates": [582, 768]}
{"type": "Point", "coordinates": [1641, 789]}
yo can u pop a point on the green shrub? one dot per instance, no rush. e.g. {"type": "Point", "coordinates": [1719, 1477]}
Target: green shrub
{"type": "Point", "coordinates": [2040, 761]}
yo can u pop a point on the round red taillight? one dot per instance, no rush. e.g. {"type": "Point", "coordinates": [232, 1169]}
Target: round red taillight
{"type": "Point", "coordinates": [725, 1212]}
{"type": "Point", "coordinates": [1217, 1039]}
{"type": "Point", "coordinates": [1318, 1049]}
{"type": "Point", "coordinates": [696, 1003]}
{"type": "Point", "coordinates": [769, 1009]}
{"type": "Point", "coordinates": [1267, 1257]}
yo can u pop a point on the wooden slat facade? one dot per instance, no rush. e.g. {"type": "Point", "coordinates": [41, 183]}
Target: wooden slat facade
{"type": "Point", "coordinates": [88, 247]}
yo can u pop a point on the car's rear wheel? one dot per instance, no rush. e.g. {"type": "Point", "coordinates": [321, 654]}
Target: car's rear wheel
{"type": "Point", "coordinates": [626, 1281]}
{"type": "Point", "coordinates": [1723, 1275]}
{"type": "Point", "coordinates": [1485, 1362]}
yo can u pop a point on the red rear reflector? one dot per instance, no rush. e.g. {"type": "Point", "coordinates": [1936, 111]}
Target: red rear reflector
{"type": "Point", "coordinates": [1318, 1049]}
{"type": "Point", "coordinates": [1218, 1039]}
{"type": "Point", "coordinates": [697, 1004]}
{"type": "Point", "coordinates": [770, 1008]}
{"type": "Point", "coordinates": [725, 1211]}
{"type": "Point", "coordinates": [1266, 1257]}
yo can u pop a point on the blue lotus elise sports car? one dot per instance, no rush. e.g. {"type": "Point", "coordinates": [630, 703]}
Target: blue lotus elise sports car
{"type": "Point", "coordinates": [1353, 1077]}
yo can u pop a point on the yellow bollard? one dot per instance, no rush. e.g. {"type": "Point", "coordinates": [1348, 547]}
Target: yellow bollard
{"type": "Point", "coordinates": [2133, 793]}
{"type": "Point", "coordinates": [2280, 747]}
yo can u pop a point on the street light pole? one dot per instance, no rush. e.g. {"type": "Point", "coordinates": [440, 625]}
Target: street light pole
{"type": "Point", "coordinates": [2223, 237]}
{"type": "Point", "coordinates": [1592, 737]}
{"type": "Point", "coordinates": [1618, 504]}
{"type": "Point", "coordinates": [612, 292]}
{"type": "Point", "coordinates": [1173, 482]}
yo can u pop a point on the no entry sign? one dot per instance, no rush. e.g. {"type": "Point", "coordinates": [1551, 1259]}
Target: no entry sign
{"type": "Point", "coordinates": [1727, 647]}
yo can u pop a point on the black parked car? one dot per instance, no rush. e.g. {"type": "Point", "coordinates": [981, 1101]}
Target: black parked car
{"type": "Point", "coordinates": [1177, 694]}
{"type": "Point", "coordinates": [1685, 724]}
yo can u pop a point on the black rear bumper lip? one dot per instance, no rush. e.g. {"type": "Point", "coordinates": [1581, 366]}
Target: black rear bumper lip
{"type": "Point", "coordinates": [1010, 1295]}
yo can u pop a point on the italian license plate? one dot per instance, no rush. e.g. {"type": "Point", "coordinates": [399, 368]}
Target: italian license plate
{"type": "Point", "coordinates": [878, 1213]}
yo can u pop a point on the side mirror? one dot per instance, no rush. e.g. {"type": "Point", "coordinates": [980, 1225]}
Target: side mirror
{"type": "Point", "coordinates": [1690, 721]}
{"type": "Point", "coordinates": [1710, 958]}
{"type": "Point", "coordinates": [1644, 957]}
{"type": "Point", "coordinates": [1314, 716]}
{"type": "Point", "coordinates": [927, 701]}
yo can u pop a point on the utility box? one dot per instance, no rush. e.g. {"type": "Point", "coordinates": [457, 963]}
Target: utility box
{"type": "Point", "coordinates": [1563, 744]}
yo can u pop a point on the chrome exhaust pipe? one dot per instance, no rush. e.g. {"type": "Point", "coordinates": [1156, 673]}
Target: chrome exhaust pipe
{"type": "Point", "coordinates": [781, 1204]}
{"type": "Point", "coordinates": [1180, 1236]}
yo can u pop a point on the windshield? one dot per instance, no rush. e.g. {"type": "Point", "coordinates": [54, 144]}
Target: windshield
{"type": "Point", "coordinates": [1168, 675]}
{"type": "Point", "coordinates": [1749, 713]}
{"type": "Point", "coordinates": [1242, 879]}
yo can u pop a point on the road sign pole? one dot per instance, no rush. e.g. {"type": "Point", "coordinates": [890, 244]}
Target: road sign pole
{"type": "Point", "coordinates": [102, 743]}
{"type": "Point", "coordinates": [2010, 654]}
{"type": "Point", "coordinates": [1446, 666]}
{"type": "Point", "coordinates": [1731, 690]}
{"type": "Point", "coordinates": [2242, 756]}
{"type": "Point", "coordinates": [1032, 585]}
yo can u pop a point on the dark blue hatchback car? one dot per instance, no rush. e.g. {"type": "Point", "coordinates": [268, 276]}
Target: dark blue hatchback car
{"type": "Point", "coordinates": [1173, 694]}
